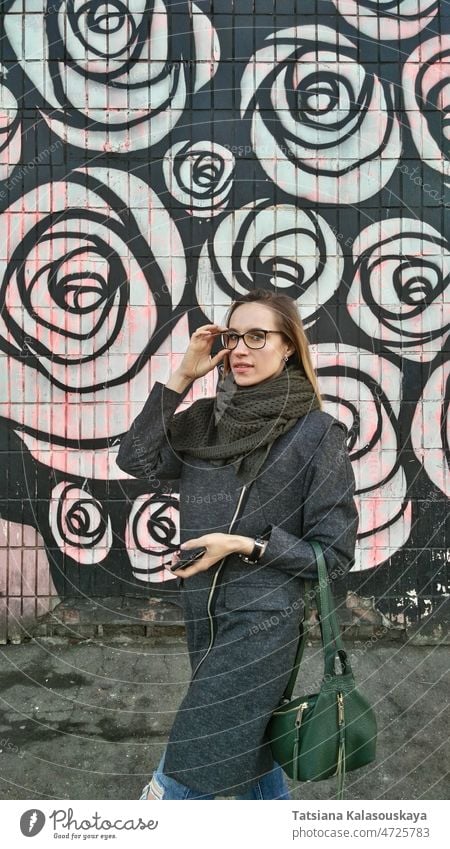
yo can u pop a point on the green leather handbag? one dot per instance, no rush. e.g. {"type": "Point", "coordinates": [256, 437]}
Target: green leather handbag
{"type": "Point", "coordinates": [335, 730]}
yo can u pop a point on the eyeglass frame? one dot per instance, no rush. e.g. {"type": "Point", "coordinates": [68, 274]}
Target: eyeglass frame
{"type": "Point", "coordinates": [242, 335]}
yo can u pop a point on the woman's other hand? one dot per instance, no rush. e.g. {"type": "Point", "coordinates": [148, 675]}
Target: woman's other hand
{"type": "Point", "coordinates": [217, 547]}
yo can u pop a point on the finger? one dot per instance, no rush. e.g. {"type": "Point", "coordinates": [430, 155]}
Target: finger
{"type": "Point", "coordinates": [198, 565]}
{"type": "Point", "coordinates": [211, 329]}
{"type": "Point", "coordinates": [191, 570]}
{"type": "Point", "coordinates": [206, 328]}
{"type": "Point", "coordinates": [184, 573]}
{"type": "Point", "coordinates": [191, 543]}
{"type": "Point", "coordinates": [218, 357]}
{"type": "Point", "coordinates": [220, 326]}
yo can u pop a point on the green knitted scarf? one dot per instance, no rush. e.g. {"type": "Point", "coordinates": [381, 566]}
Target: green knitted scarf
{"type": "Point", "coordinates": [239, 424]}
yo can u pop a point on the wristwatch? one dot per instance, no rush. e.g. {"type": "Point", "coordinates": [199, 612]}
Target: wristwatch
{"type": "Point", "coordinates": [258, 548]}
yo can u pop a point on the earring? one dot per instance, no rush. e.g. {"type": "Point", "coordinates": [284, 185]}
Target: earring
{"type": "Point", "coordinates": [286, 358]}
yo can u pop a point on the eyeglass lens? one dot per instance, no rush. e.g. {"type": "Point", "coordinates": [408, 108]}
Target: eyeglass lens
{"type": "Point", "coordinates": [253, 339]}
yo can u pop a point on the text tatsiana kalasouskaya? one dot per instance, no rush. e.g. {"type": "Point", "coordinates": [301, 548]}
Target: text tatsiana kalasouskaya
{"type": "Point", "coordinates": [411, 816]}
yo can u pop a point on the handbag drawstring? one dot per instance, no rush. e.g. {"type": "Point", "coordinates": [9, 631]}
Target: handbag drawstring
{"type": "Point", "coordinates": [340, 771]}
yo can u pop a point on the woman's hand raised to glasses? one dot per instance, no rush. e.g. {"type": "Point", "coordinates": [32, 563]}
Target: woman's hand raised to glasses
{"type": "Point", "coordinates": [197, 360]}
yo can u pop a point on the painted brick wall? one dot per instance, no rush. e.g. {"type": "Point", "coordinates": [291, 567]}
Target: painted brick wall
{"type": "Point", "coordinates": [159, 159]}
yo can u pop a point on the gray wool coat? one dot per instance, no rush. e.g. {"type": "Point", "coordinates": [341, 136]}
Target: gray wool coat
{"type": "Point", "coordinates": [242, 621]}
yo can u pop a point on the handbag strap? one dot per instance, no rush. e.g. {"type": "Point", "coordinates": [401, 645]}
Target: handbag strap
{"type": "Point", "coordinates": [329, 627]}
{"type": "Point", "coordinates": [287, 695]}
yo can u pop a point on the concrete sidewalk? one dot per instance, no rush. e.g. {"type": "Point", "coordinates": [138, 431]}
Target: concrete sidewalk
{"type": "Point", "coordinates": [89, 720]}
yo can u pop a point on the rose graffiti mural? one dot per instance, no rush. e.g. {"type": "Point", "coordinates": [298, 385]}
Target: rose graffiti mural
{"type": "Point", "coordinates": [157, 160]}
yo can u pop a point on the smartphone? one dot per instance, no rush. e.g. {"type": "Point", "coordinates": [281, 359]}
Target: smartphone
{"type": "Point", "coordinates": [187, 557]}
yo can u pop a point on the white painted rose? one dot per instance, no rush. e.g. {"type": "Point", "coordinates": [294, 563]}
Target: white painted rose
{"type": "Point", "coordinates": [104, 70]}
{"type": "Point", "coordinates": [280, 246]}
{"type": "Point", "coordinates": [400, 294]}
{"type": "Point", "coordinates": [363, 391]}
{"type": "Point", "coordinates": [323, 126]}
{"type": "Point", "coordinates": [87, 295]}
{"type": "Point", "coordinates": [199, 176]}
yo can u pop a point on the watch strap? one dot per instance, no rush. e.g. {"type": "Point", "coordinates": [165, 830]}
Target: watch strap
{"type": "Point", "coordinates": [258, 548]}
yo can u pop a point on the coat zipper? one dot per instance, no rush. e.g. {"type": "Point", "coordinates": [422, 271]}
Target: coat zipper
{"type": "Point", "coordinates": [213, 586]}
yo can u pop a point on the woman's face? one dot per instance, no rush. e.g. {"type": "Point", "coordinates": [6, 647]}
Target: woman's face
{"type": "Point", "coordinates": [253, 365]}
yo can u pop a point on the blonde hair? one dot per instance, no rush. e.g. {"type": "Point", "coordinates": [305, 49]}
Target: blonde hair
{"type": "Point", "coordinates": [289, 323]}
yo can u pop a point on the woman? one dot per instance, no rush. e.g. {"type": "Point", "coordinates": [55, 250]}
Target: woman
{"type": "Point", "coordinates": [264, 456]}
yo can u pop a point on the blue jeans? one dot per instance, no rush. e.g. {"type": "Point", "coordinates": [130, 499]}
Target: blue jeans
{"type": "Point", "coordinates": [270, 786]}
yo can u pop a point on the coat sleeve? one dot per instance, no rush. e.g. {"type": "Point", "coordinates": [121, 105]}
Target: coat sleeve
{"type": "Point", "coordinates": [330, 515]}
{"type": "Point", "coordinates": [145, 451]}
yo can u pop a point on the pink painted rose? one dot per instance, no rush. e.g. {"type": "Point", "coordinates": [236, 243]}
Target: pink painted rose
{"type": "Point", "coordinates": [87, 298]}
{"type": "Point", "coordinates": [80, 524]}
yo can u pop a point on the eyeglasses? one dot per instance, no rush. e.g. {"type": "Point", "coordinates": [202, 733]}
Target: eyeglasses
{"type": "Point", "coordinates": [252, 338]}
